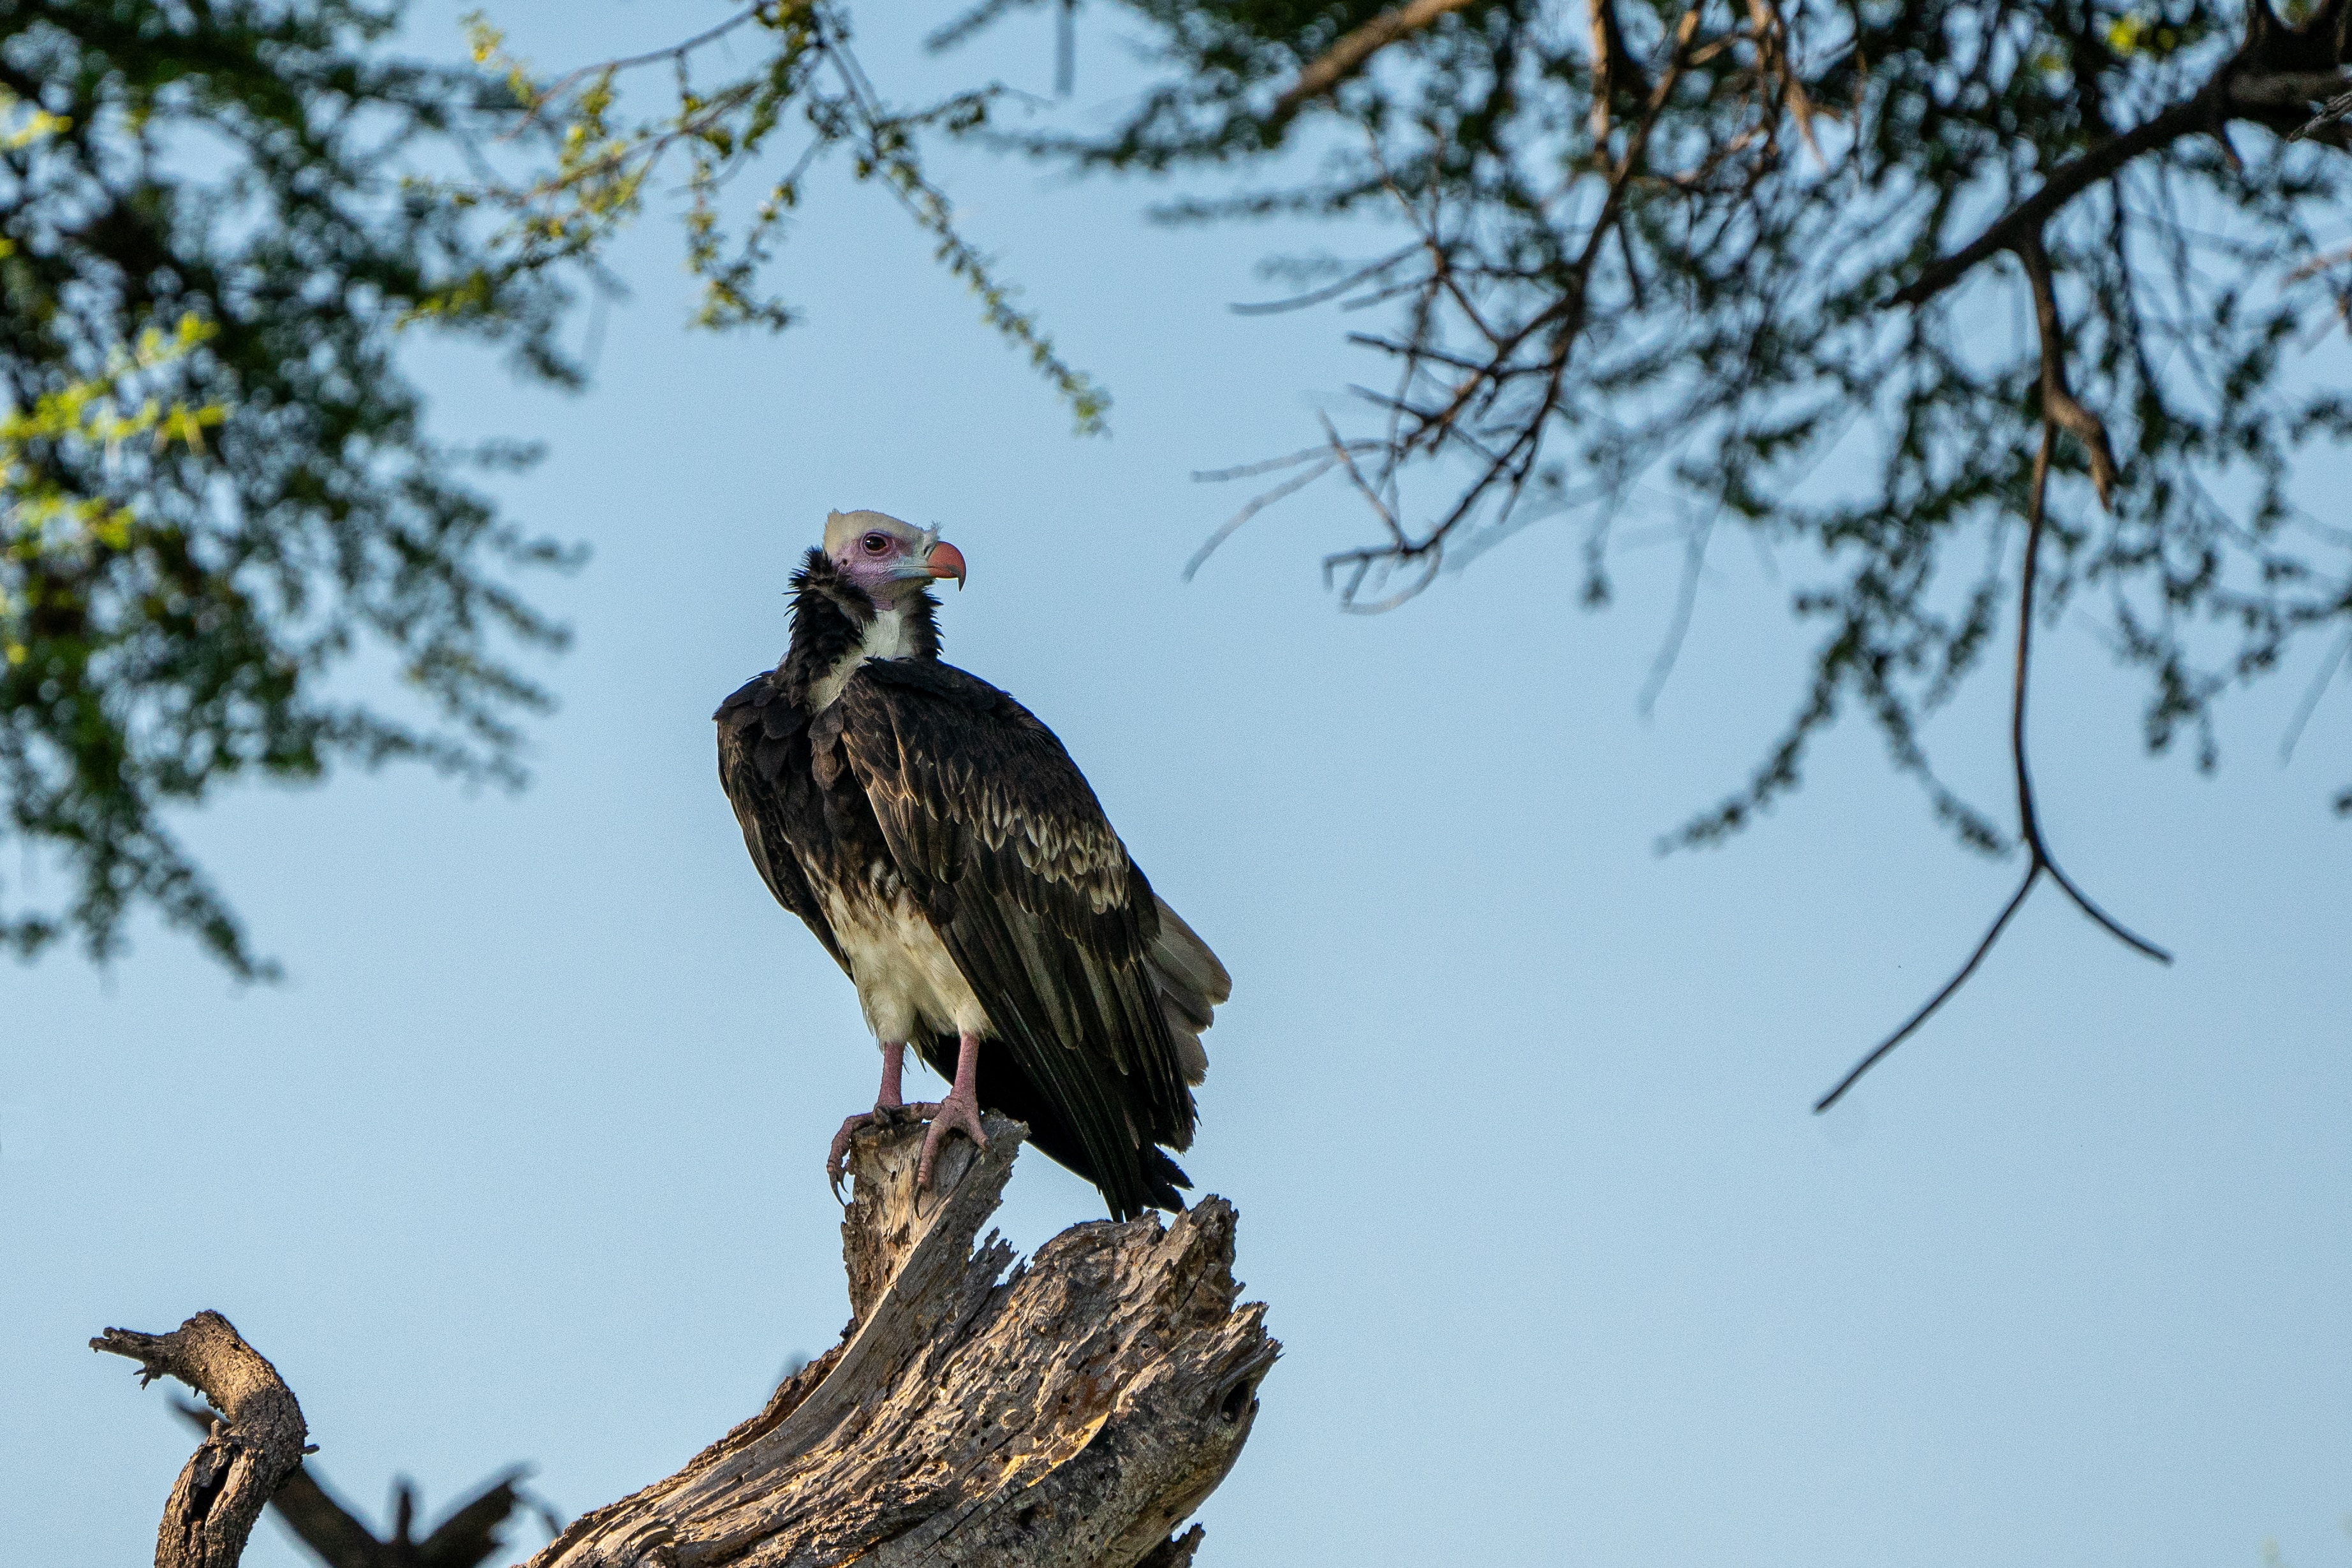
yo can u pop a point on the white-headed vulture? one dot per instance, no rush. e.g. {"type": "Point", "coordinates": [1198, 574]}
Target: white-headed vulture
{"type": "Point", "coordinates": [954, 862]}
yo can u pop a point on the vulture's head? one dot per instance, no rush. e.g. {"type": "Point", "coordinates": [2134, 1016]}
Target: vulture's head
{"type": "Point", "coordinates": [890, 559]}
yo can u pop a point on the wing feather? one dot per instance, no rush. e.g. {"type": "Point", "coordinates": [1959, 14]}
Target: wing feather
{"type": "Point", "coordinates": [759, 733]}
{"type": "Point", "coordinates": [1038, 903]}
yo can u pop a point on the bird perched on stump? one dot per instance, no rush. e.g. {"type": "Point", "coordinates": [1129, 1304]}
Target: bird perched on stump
{"type": "Point", "coordinates": [952, 859]}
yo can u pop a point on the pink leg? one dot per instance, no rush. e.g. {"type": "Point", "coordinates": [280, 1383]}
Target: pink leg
{"type": "Point", "coordinates": [960, 1112]}
{"type": "Point", "coordinates": [894, 1063]}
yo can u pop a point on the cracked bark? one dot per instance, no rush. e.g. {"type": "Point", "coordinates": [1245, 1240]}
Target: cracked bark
{"type": "Point", "coordinates": [1068, 1415]}
{"type": "Point", "coordinates": [248, 1455]}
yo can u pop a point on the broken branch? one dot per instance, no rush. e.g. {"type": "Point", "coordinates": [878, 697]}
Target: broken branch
{"type": "Point", "coordinates": [1069, 1415]}
{"type": "Point", "coordinates": [256, 1445]}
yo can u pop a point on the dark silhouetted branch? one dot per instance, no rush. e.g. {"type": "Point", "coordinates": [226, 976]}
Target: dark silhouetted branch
{"type": "Point", "coordinates": [337, 1536]}
{"type": "Point", "coordinates": [2038, 859]}
{"type": "Point", "coordinates": [2260, 82]}
{"type": "Point", "coordinates": [1928, 1010]}
{"type": "Point", "coordinates": [2334, 109]}
{"type": "Point", "coordinates": [2069, 180]}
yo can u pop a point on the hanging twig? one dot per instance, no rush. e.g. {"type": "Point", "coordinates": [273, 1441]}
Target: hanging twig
{"type": "Point", "coordinates": [2055, 413]}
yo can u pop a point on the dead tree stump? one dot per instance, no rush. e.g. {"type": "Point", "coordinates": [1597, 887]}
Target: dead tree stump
{"type": "Point", "coordinates": [1069, 1415]}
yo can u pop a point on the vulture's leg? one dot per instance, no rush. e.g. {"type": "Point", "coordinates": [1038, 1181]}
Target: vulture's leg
{"type": "Point", "coordinates": [885, 1099]}
{"type": "Point", "coordinates": [960, 1111]}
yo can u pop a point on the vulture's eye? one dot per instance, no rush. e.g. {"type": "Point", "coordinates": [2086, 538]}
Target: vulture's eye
{"type": "Point", "coordinates": [878, 544]}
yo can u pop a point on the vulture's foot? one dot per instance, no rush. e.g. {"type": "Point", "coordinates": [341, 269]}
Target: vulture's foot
{"type": "Point", "coordinates": [960, 1113]}
{"type": "Point", "coordinates": [836, 1159]}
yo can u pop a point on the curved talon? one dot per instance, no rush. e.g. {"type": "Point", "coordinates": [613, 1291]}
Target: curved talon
{"type": "Point", "coordinates": [957, 1113]}
{"type": "Point", "coordinates": [836, 1158]}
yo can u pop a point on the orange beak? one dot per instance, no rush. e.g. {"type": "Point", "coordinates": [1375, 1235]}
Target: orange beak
{"type": "Point", "coordinates": [946, 561]}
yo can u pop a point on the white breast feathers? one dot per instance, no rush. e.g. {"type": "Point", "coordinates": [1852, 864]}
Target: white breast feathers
{"type": "Point", "coordinates": [884, 638]}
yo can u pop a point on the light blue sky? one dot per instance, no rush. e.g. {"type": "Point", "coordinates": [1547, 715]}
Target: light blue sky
{"type": "Point", "coordinates": [524, 1162]}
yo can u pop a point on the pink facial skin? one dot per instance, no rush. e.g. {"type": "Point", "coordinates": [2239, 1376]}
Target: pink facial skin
{"type": "Point", "coordinates": [888, 568]}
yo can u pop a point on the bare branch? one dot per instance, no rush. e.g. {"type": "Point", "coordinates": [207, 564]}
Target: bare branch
{"type": "Point", "coordinates": [2068, 180]}
{"type": "Point", "coordinates": [2059, 405]}
{"type": "Point", "coordinates": [2330, 112]}
{"type": "Point", "coordinates": [1772, 48]}
{"type": "Point", "coordinates": [337, 1537]}
{"type": "Point", "coordinates": [1662, 663]}
{"type": "Point", "coordinates": [1329, 291]}
{"type": "Point", "coordinates": [2319, 684]}
{"type": "Point", "coordinates": [1255, 505]}
{"type": "Point", "coordinates": [2038, 856]}
{"type": "Point", "coordinates": [1347, 459]}
{"type": "Point", "coordinates": [2317, 264]}
{"type": "Point", "coordinates": [249, 1453]}
{"type": "Point", "coordinates": [1615, 69]}
{"type": "Point", "coordinates": [1347, 57]}
{"type": "Point", "coordinates": [1315, 454]}
{"type": "Point", "coordinates": [1960, 978]}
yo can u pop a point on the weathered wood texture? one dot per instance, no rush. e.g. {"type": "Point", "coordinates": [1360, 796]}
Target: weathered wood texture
{"type": "Point", "coordinates": [247, 1454]}
{"type": "Point", "coordinates": [1069, 1415]}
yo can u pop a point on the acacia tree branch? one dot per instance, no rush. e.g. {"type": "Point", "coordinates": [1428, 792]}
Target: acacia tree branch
{"type": "Point", "coordinates": [2068, 180]}
{"type": "Point", "coordinates": [674, 53]}
{"type": "Point", "coordinates": [1561, 325]}
{"type": "Point", "coordinates": [2242, 83]}
{"type": "Point", "coordinates": [2249, 85]}
{"type": "Point", "coordinates": [2059, 405]}
{"type": "Point", "coordinates": [1615, 69]}
{"type": "Point", "coordinates": [249, 1453]}
{"type": "Point", "coordinates": [2334, 109]}
{"type": "Point", "coordinates": [2039, 858]}
{"type": "Point", "coordinates": [1354, 47]}
{"type": "Point", "coordinates": [1779, 73]}
{"type": "Point", "coordinates": [1943, 995]}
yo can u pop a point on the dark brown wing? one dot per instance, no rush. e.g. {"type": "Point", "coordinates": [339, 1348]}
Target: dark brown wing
{"type": "Point", "coordinates": [1000, 836]}
{"type": "Point", "coordinates": [763, 765]}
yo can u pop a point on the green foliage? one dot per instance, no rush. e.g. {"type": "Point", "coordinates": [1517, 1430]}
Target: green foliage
{"type": "Point", "coordinates": [214, 487]}
{"type": "Point", "coordinates": [807, 90]}
{"type": "Point", "coordinates": [1647, 257]}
